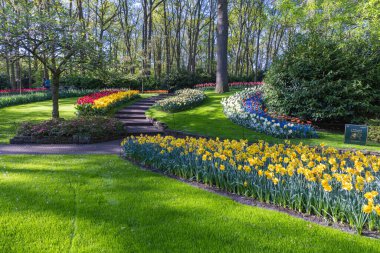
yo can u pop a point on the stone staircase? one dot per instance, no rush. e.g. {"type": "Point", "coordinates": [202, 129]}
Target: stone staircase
{"type": "Point", "coordinates": [134, 119]}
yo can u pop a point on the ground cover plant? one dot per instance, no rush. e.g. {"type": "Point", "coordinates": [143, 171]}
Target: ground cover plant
{"type": "Point", "coordinates": [91, 128]}
{"type": "Point", "coordinates": [314, 180]}
{"type": "Point", "coordinates": [100, 103]}
{"type": "Point", "coordinates": [208, 119]}
{"type": "Point", "coordinates": [18, 99]}
{"type": "Point", "coordinates": [98, 203]}
{"type": "Point", "coordinates": [247, 108]}
{"type": "Point", "coordinates": [182, 100]}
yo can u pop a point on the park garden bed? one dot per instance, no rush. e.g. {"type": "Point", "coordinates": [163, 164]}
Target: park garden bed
{"type": "Point", "coordinates": [82, 130]}
{"type": "Point", "coordinates": [100, 103]}
{"type": "Point", "coordinates": [182, 100]}
{"type": "Point", "coordinates": [339, 187]}
{"type": "Point", "coordinates": [247, 108]}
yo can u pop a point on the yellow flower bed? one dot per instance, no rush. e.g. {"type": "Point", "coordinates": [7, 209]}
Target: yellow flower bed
{"type": "Point", "coordinates": [342, 187]}
{"type": "Point", "coordinates": [109, 100]}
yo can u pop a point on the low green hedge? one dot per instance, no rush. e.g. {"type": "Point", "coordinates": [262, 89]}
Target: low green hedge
{"type": "Point", "coordinates": [184, 99]}
{"type": "Point", "coordinates": [10, 100]}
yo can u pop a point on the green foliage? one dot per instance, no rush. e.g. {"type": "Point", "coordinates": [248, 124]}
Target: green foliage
{"type": "Point", "coordinates": [93, 127]}
{"type": "Point", "coordinates": [374, 133]}
{"type": "Point", "coordinates": [82, 82]}
{"type": "Point", "coordinates": [4, 81]}
{"type": "Point", "coordinates": [318, 78]}
{"type": "Point", "coordinates": [9, 100]}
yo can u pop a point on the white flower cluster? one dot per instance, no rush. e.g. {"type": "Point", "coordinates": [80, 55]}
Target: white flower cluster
{"type": "Point", "coordinates": [183, 99]}
{"type": "Point", "coordinates": [235, 110]}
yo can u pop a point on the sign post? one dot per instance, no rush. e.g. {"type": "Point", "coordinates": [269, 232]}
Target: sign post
{"type": "Point", "coordinates": [355, 134]}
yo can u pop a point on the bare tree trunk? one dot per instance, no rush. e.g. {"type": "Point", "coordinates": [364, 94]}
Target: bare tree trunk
{"type": "Point", "coordinates": [167, 41]}
{"type": "Point", "coordinates": [29, 71]}
{"type": "Point", "coordinates": [222, 42]}
{"type": "Point", "coordinates": [257, 52]}
{"type": "Point", "coordinates": [55, 95]}
{"type": "Point", "coordinates": [13, 75]}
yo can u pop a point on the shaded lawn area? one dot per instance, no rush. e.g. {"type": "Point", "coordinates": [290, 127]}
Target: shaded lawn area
{"type": "Point", "coordinates": [209, 119]}
{"type": "Point", "coordinates": [12, 116]}
{"type": "Point", "coordinates": [100, 203]}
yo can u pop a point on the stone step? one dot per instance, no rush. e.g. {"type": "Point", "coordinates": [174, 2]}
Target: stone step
{"type": "Point", "coordinates": [130, 116]}
{"type": "Point", "coordinates": [144, 103]}
{"type": "Point", "coordinates": [138, 107]}
{"type": "Point", "coordinates": [136, 122]}
{"type": "Point", "coordinates": [142, 130]}
{"type": "Point", "coordinates": [131, 111]}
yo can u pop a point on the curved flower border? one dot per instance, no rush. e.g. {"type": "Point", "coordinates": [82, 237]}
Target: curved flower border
{"type": "Point", "coordinates": [246, 108]}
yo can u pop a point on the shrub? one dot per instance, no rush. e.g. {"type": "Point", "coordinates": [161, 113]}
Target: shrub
{"type": "Point", "coordinates": [183, 100]}
{"type": "Point", "coordinates": [312, 180]}
{"type": "Point", "coordinates": [374, 133]}
{"type": "Point", "coordinates": [320, 79]}
{"type": "Point", "coordinates": [82, 82]}
{"type": "Point", "coordinates": [246, 108]}
{"type": "Point", "coordinates": [93, 127]}
{"type": "Point", "coordinates": [9, 100]}
{"type": "Point", "coordinates": [101, 103]}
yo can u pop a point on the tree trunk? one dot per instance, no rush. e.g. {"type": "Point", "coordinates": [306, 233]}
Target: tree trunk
{"type": "Point", "coordinates": [13, 75]}
{"type": "Point", "coordinates": [222, 41]}
{"type": "Point", "coordinates": [55, 95]}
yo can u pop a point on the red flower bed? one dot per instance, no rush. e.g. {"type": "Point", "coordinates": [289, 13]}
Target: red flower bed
{"type": "Point", "coordinates": [234, 84]}
{"type": "Point", "coordinates": [22, 90]}
{"type": "Point", "coordinates": [90, 99]}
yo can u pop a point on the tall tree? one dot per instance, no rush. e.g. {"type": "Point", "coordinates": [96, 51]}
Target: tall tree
{"type": "Point", "coordinates": [47, 32]}
{"type": "Point", "coordinates": [222, 43]}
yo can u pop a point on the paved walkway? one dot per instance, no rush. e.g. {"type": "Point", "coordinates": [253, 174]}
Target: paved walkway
{"type": "Point", "coordinates": [133, 117]}
{"type": "Point", "coordinates": [112, 147]}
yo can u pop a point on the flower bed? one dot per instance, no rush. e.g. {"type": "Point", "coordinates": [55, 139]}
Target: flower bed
{"type": "Point", "coordinates": [313, 180]}
{"type": "Point", "coordinates": [8, 91]}
{"type": "Point", "coordinates": [246, 108]}
{"type": "Point", "coordinates": [100, 103]}
{"type": "Point", "coordinates": [79, 130]}
{"type": "Point", "coordinates": [9, 100]}
{"type": "Point", "coordinates": [183, 100]}
{"type": "Point", "coordinates": [231, 85]}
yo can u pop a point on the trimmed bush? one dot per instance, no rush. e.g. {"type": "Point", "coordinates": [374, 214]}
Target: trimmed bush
{"type": "Point", "coordinates": [183, 100]}
{"type": "Point", "coordinates": [325, 81]}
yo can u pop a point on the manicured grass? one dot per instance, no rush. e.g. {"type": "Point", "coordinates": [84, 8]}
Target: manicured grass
{"type": "Point", "coordinates": [208, 119]}
{"type": "Point", "coordinates": [104, 204]}
{"type": "Point", "coordinates": [12, 116]}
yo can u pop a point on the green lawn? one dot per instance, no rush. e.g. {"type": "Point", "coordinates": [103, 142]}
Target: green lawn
{"type": "Point", "coordinates": [12, 116]}
{"type": "Point", "coordinates": [208, 119]}
{"type": "Point", "coordinates": [104, 204]}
